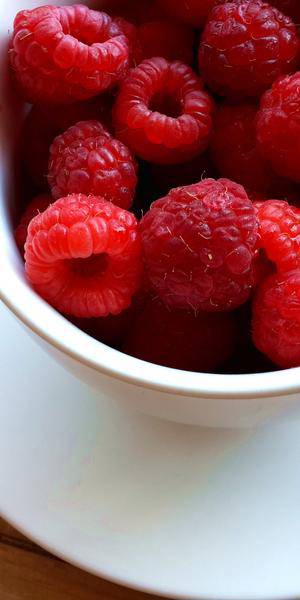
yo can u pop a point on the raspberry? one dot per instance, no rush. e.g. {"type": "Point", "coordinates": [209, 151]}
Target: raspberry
{"type": "Point", "coordinates": [276, 319]}
{"type": "Point", "coordinates": [44, 123]}
{"type": "Point", "coordinates": [180, 339]}
{"type": "Point", "coordinates": [37, 205]}
{"type": "Point", "coordinates": [199, 244]}
{"type": "Point", "coordinates": [83, 255]}
{"type": "Point", "coordinates": [66, 53]}
{"type": "Point", "coordinates": [162, 112]}
{"type": "Point", "coordinates": [291, 8]}
{"type": "Point", "coordinates": [136, 11]}
{"type": "Point", "coordinates": [245, 46]}
{"type": "Point", "coordinates": [193, 12]}
{"type": "Point", "coordinates": [87, 160]}
{"type": "Point", "coordinates": [278, 126]}
{"type": "Point", "coordinates": [168, 39]}
{"type": "Point", "coordinates": [279, 231]}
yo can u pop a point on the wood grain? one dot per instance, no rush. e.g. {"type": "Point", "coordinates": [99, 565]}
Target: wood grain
{"type": "Point", "coordinates": [28, 572]}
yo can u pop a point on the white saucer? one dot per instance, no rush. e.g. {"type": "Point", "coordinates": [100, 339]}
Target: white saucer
{"type": "Point", "coordinates": [169, 509]}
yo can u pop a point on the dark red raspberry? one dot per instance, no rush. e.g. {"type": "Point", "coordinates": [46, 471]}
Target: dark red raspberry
{"type": "Point", "coordinates": [181, 339]}
{"type": "Point", "coordinates": [44, 123]}
{"type": "Point", "coordinates": [199, 244]}
{"type": "Point", "coordinates": [37, 205]}
{"type": "Point", "coordinates": [291, 8]}
{"type": "Point", "coordinates": [278, 126]}
{"type": "Point", "coordinates": [245, 46]}
{"type": "Point", "coordinates": [279, 233]}
{"type": "Point", "coordinates": [86, 159]}
{"type": "Point", "coordinates": [162, 112]}
{"type": "Point", "coordinates": [83, 255]}
{"type": "Point", "coordinates": [193, 12]}
{"type": "Point", "coordinates": [66, 53]}
{"type": "Point", "coordinates": [171, 40]}
{"type": "Point", "coordinates": [276, 319]}
{"type": "Point", "coordinates": [136, 11]}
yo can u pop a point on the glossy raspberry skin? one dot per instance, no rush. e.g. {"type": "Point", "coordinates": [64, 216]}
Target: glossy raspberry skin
{"type": "Point", "coordinates": [65, 53]}
{"type": "Point", "coordinates": [199, 244]}
{"type": "Point", "coordinates": [276, 319]}
{"type": "Point", "coordinates": [279, 233]}
{"type": "Point", "coordinates": [83, 255]}
{"type": "Point", "coordinates": [44, 123]}
{"type": "Point", "coordinates": [193, 12]}
{"type": "Point", "coordinates": [245, 46]}
{"type": "Point", "coordinates": [181, 339]}
{"type": "Point", "coordinates": [278, 126]}
{"type": "Point", "coordinates": [37, 205]}
{"type": "Point", "coordinates": [86, 159]}
{"type": "Point", "coordinates": [152, 91]}
{"type": "Point", "coordinates": [171, 40]}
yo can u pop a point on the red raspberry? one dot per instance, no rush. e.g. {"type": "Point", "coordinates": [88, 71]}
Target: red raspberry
{"type": "Point", "coordinates": [83, 255]}
{"type": "Point", "coordinates": [193, 12]}
{"type": "Point", "coordinates": [245, 46]}
{"type": "Point", "coordinates": [37, 205]}
{"type": "Point", "coordinates": [199, 244]}
{"type": "Point", "coordinates": [86, 159]}
{"type": "Point", "coordinates": [67, 53]}
{"type": "Point", "coordinates": [276, 319]}
{"type": "Point", "coordinates": [162, 112]}
{"type": "Point", "coordinates": [278, 126]}
{"type": "Point", "coordinates": [44, 123]}
{"type": "Point", "coordinates": [180, 339]}
{"type": "Point", "coordinates": [279, 231]}
{"type": "Point", "coordinates": [168, 39]}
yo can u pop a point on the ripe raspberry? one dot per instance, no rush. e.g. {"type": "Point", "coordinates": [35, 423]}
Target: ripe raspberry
{"type": "Point", "coordinates": [245, 46]}
{"type": "Point", "coordinates": [279, 233]}
{"type": "Point", "coordinates": [199, 244]}
{"type": "Point", "coordinates": [83, 255]}
{"type": "Point", "coordinates": [66, 53]}
{"type": "Point", "coordinates": [162, 112]}
{"type": "Point", "coordinates": [171, 40]}
{"type": "Point", "coordinates": [37, 205]}
{"type": "Point", "coordinates": [44, 123]}
{"type": "Point", "coordinates": [276, 319]}
{"type": "Point", "coordinates": [180, 339]}
{"type": "Point", "coordinates": [85, 159]}
{"type": "Point", "coordinates": [193, 12]}
{"type": "Point", "coordinates": [278, 126]}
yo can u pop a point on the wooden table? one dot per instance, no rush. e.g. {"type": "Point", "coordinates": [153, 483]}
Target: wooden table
{"type": "Point", "coordinates": [29, 573]}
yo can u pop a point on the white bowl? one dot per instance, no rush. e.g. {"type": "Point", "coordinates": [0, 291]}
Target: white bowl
{"type": "Point", "coordinates": [192, 398]}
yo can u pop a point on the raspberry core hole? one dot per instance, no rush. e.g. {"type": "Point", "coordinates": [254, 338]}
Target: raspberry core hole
{"type": "Point", "coordinates": [92, 266]}
{"type": "Point", "coordinates": [165, 104]}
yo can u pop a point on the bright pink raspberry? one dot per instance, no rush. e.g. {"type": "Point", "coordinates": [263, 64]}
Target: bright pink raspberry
{"type": "Point", "coordinates": [83, 255]}
{"type": "Point", "coordinates": [278, 126]}
{"type": "Point", "coordinates": [193, 12]}
{"type": "Point", "coordinates": [162, 112]}
{"type": "Point", "coordinates": [245, 46]}
{"type": "Point", "coordinates": [85, 159]}
{"type": "Point", "coordinates": [181, 339]}
{"type": "Point", "coordinates": [44, 123]}
{"type": "Point", "coordinates": [276, 319]}
{"type": "Point", "coordinates": [64, 53]}
{"type": "Point", "coordinates": [279, 233]}
{"type": "Point", "coordinates": [199, 245]}
{"type": "Point", "coordinates": [37, 205]}
{"type": "Point", "coordinates": [171, 40]}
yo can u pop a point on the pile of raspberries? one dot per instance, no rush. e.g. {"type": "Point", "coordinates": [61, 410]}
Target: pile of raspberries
{"type": "Point", "coordinates": [161, 169]}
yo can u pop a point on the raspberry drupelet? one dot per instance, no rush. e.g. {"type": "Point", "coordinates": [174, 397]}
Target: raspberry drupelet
{"type": "Point", "coordinates": [199, 243]}
{"type": "Point", "coordinates": [83, 255]}
{"type": "Point", "coordinates": [278, 126]}
{"type": "Point", "coordinates": [65, 53]}
{"type": "Point", "coordinates": [193, 12]}
{"type": "Point", "coordinates": [276, 319]}
{"type": "Point", "coordinates": [37, 205]}
{"type": "Point", "coordinates": [86, 159]}
{"type": "Point", "coordinates": [245, 46]}
{"type": "Point", "coordinates": [181, 339]}
{"type": "Point", "coordinates": [279, 233]}
{"type": "Point", "coordinates": [162, 112]}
